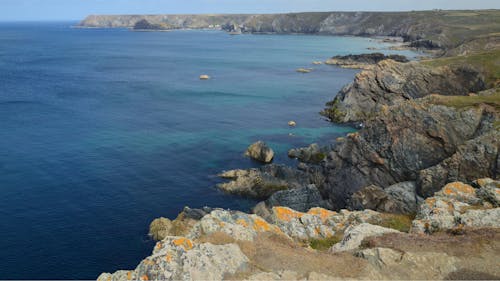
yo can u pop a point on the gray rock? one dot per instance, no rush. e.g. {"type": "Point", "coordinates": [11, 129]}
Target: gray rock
{"type": "Point", "coordinates": [262, 182]}
{"type": "Point", "coordinates": [354, 235]}
{"type": "Point", "coordinates": [300, 199]}
{"type": "Point", "coordinates": [311, 154]}
{"type": "Point", "coordinates": [260, 151]}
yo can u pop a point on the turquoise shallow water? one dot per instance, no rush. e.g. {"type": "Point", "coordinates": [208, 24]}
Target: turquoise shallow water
{"type": "Point", "coordinates": [104, 130]}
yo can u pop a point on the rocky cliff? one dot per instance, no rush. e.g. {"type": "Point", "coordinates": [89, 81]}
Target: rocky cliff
{"type": "Point", "coordinates": [324, 245]}
{"type": "Point", "coordinates": [452, 31]}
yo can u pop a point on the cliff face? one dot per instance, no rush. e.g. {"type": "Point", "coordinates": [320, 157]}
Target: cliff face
{"type": "Point", "coordinates": [391, 82]}
{"type": "Point", "coordinates": [445, 30]}
{"type": "Point", "coordinates": [419, 140]}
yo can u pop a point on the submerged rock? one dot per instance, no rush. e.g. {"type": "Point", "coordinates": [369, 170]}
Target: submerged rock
{"type": "Point", "coordinates": [260, 151]}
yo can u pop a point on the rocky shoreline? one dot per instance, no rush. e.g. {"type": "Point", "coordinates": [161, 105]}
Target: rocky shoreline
{"type": "Point", "coordinates": [413, 194]}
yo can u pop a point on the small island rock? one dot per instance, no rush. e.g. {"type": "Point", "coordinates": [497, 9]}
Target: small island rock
{"type": "Point", "coordinates": [204, 77]}
{"type": "Point", "coordinates": [260, 152]}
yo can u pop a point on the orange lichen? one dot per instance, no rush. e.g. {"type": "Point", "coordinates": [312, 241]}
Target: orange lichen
{"type": "Point", "coordinates": [184, 243]}
{"type": "Point", "coordinates": [455, 188]}
{"type": "Point", "coordinates": [129, 275]}
{"type": "Point", "coordinates": [322, 213]}
{"type": "Point", "coordinates": [286, 214]}
{"type": "Point", "coordinates": [168, 258]}
{"type": "Point", "coordinates": [431, 201]}
{"type": "Point", "coordinates": [159, 245]}
{"type": "Point", "coordinates": [242, 222]}
{"type": "Point", "coordinates": [144, 277]}
{"type": "Point", "coordinates": [261, 225]}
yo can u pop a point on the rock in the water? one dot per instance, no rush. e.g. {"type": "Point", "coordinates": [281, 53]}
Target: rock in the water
{"type": "Point", "coordinates": [311, 154]}
{"type": "Point", "coordinates": [204, 77]}
{"type": "Point", "coordinates": [304, 70]}
{"type": "Point", "coordinates": [260, 152]}
{"type": "Point", "coordinates": [263, 182]}
{"type": "Point", "coordinates": [160, 228]}
{"type": "Point", "coordinates": [363, 61]}
{"type": "Point", "coordinates": [292, 123]}
{"type": "Point", "coordinates": [354, 235]}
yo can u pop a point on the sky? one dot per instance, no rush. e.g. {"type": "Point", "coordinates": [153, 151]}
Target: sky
{"type": "Point", "coordinates": [21, 10]}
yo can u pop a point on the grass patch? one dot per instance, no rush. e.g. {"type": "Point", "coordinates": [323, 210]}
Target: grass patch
{"type": "Point", "coordinates": [469, 101]}
{"type": "Point", "coordinates": [487, 62]}
{"type": "Point", "coordinates": [398, 222]}
{"type": "Point", "coordinates": [326, 243]}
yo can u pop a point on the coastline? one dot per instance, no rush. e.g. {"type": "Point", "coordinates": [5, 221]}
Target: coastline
{"type": "Point", "coordinates": [361, 148]}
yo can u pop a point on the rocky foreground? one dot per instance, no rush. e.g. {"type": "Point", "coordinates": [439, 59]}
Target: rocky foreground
{"type": "Point", "coordinates": [452, 236]}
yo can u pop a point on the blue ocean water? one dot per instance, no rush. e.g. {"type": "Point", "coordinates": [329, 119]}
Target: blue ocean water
{"type": "Point", "coordinates": [102, 130]}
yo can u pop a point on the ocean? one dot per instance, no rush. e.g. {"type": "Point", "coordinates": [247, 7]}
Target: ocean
{"type": "Point", "coordinates": [103, 130]}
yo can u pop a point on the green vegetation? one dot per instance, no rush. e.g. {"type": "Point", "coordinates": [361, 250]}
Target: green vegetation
{"type": "Point", "coordinates": [486, 62]}
{"type": "Point", "coordinates": [469, 101]}
{"type": "Point", "coordinates": [399, 222]}
{"type": "Point", "coordinates": [326, 243]}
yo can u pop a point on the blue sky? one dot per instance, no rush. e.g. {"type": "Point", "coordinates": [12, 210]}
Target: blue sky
{"type": "Point", "coordinates": [78, 9]}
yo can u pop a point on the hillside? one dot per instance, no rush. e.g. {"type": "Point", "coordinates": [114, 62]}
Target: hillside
{"type": "Point", "coordinates": [456, 32]}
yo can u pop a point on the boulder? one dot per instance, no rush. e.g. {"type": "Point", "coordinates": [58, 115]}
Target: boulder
{"type": "Point", "coordinates": [300, 199]}
{"type": "Point", "coordinates": [160, 228]}
{"type": "Point", "coordinates": [311, 154]}
{"type": "Point", "coordinates": [260, 151]}
{"type": "Point", "coordinates": [400, 198]}
{"type": "Point", "coordinates": [204, 77]}
{"type": "Point", "coordinates": [260, 183]}
{"type": "Point", "coordinates": [355, 234]}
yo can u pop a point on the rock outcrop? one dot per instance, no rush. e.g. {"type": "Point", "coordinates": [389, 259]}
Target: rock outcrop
{"type": "Point", "coordinates": [400, 198]}
{"type": "Point", "coordinates": [262, 182]}
{"type": "Point", "coordinates": [390, 82]}
{"type": "Point", "coordinates": [363, 61]}
{"type": "Point", "coordinates": [459, 205]}
{"type": "Point", "coordinates": [260, 151]}
{"type": "Point", "coordinates": [410, 137]}
{"type": "Point", "coordinates": [354, 235]}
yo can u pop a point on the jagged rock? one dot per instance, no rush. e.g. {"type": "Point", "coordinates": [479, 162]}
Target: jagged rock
{"type": "Point", "coordinates": [456, 205]}
{"type": "Point", "coordinates": [238, 225]}
{"type": "Point", "coordinates": [363, 61]}
{"type": "Point", "coordinates": [263, 182]}
{"type": "Point", "coordinates": [311, 154]}
{"type": "Point", "coordinates": [405, 139]}
{"type": "Point", "coordinates": [489, 191]}
{"type": "Point", "coordinates": [160, 228]}
{"type": "Point", "coordinates": [260, 152]}
{"type": "Point", "coordinates": [390, 82]}
{"type": "Point", "coordinates": [355, 234]}
{"type": "Point", "coordinates": [318, 223]}
{"type": "Point", "coordinates": [474, 159]}
{"type": "Point", "coordinates": [178, 258]}
{"type": "Point", "coordinates": [300, 199]}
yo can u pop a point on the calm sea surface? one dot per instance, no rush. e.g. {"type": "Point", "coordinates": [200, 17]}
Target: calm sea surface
{"type": "Point", "coordinates": [101, 131]}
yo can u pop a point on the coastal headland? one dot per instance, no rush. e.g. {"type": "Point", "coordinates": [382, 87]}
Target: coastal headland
{"type": "Point", "coordinates": [413, 194]}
